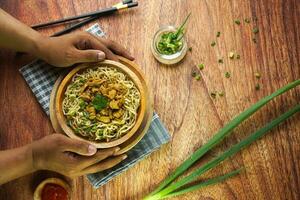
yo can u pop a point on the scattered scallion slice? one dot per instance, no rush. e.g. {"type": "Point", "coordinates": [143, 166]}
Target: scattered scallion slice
{"type": "Point", "coordinates": [257, 75]}
{"type": "Point", "coordinates": [218, 34]}
{"type": "Point", "coordinates": [213, 43]}
{"type": "Point", "coordinates": [238, 22]}
{"type": "Point", "coordinates": [198, 77]}
{"type": "Point", "coordinates": [227, 74]}
{"type": "Point", "coordinates": [220, 60]}
{"type": "Point", "coordinates": [255, 30]}
{"type": "Point", "coordinates": [213, 95]}
{"type": "Point", "coordinates": [247, 20]}
{"type": "Point", "coordinates": [257, 86]}
{"type": "Point", "coordinates": [201, 66]}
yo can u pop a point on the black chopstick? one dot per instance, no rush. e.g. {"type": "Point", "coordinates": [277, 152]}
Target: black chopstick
{"type": "Point", "coordinates": [75, 26]}
{"type": "Point", "coordinates": [99, 13]}
{"type": "Point", "coordinates": [85, 21]}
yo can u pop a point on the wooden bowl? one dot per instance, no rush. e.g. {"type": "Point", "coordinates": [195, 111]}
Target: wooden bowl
{"type": "Point", "coordinates": [135, 75]}
{"type": "Point", "coordinates": [38, 191]}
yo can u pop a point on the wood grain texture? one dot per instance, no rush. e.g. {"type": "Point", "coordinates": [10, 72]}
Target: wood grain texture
{"type": "Point", "coordinates": [184, 104]}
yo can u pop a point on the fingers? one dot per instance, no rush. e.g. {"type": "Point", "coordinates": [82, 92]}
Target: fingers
{"type": "Point", "coordinates": [96, 44]}
{"type": "Point", "coordinates": [111, 47]}
{"type": "Point", "coordinates": [99, 156]}
{"type": "Point", "coordinates": [89, 56]}
{"type": "Point", "coordinates": [118, 49]}
{"type": "Point", "coordinates": [77, 146]}
{"type": "Point", "coordinates": [106, 164]}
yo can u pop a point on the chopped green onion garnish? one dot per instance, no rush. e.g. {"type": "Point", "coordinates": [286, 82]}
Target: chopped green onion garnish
{"type": "Point", "coordinates": [218, 34]}
{"type": "Point", "coordinates": [213, 44]}
{"type": "Point", "coordinates": [238, 56]}
{"type": "Point", "coordinates": [194, 74]}
{"type": "Point", "coordinates": [227, 74]}
{"type": "Point", "coordinates": [220, 60]}
{"type": "Point", "coordinates": [238, 22]}
{"type": "Point", "coordinates": [213, 95]}
{"type": "Point", "coordinates": [257, 86]}
{"type": "Point", "coordinates": [201, 66]}
{"type": "Point", "coordinates": [255, 30]}
{"type": "Point", "coordinates": [247, 20]}
{"type": "Point", "coordinates": [198, 77]}
{"type": "Point", "coordinates": [221, 94]}
{"type": "Point", "coordinates": [257, 75]}
{"type": "Point", "coordinates": [190, 48]}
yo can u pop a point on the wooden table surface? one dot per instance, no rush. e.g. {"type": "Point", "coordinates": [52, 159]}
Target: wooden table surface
{"type": "Point", "coordinates": [184, 104]}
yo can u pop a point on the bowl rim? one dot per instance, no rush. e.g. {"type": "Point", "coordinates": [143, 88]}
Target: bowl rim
{"type": "Point", "coordinates": [81, 67]}
{"type": "Point", "coordinates": [58, 181]}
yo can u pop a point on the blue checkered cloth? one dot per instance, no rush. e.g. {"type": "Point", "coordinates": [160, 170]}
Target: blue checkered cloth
{"type": "Point", "coordinates": [41, 77]}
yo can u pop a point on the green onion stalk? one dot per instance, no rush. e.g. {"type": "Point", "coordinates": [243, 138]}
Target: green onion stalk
{"type": "Point", "coordinates": [168, 189]}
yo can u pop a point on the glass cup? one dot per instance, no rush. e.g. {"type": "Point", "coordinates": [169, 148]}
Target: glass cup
{"type": "Point", "coordinates": [163, 58]}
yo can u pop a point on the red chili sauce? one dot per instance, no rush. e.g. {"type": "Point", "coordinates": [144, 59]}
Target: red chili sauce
{"type": "Point", "coordinates": [53, 191]}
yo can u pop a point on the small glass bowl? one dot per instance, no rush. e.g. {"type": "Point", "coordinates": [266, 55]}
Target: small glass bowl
{"type": "Point", "coordinates": [167, 59]}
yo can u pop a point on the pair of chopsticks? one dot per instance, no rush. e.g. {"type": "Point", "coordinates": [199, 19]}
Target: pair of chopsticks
{"type": "Point", "coordinates": [88, 17]}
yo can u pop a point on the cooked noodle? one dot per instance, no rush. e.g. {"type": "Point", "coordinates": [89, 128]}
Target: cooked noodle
{"type": "Point", "coordinates": [108, 123]}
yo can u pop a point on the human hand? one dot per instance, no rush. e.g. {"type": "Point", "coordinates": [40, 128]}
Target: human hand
{"type": "Point", "coordinates": [78, 47]}
{"type": "Point", "coordinates": [71, 157]}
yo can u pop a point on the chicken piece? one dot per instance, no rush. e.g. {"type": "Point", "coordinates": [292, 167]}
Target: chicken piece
{"type": "Point", "coordinates": [103, 89]}
{"type": "Point", "coordinates": [85, 96]}
{"type": "Point", "coordinates": [111, 94]}
{"type": "Point", "coordinates": [95, 90]}
{"type": "Point", "coordinates": [118, 113]}
{"type": "Point", "coordinates": [103, 119]}
{"type": "Point", "coordinates": [95, 82]}
{"type": "Point", "coordinates": [114, 104]}
{"type": "Point", "coordinates": [121, 102]}
{"type": "Point", "coordinates": [104, 112]}
{"type": "Point", "coordinates": [92, 112]}
{"type": "Point", "coordinates": [83, 88]}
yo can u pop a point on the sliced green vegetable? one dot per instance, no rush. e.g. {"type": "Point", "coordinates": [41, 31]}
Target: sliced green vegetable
{"type": "Point", "coordinates": [198, 77]}
{"type": "Point", "coordinates": [201, 66]}
{"type": "Point", "coordinates": [227, 75]}
{"type": "Point", "coordinates": [213, 43]}
{"type": "Point", "coordinates": [238, 22]}
{"type": "Point", "coordinates": [220, 60]}
{"type": "Point", "coordinates": [255, 30]}
{"type": "Point", "coordinates": [247, 20]}
{"type": "Point", "coordinates": [257, 75]}
{"type": "Point", "coordinates": [218, 34]}
{"type": "Point", "coordinates": [171, 42]}
{"type": "Point", "coordinates": [257, 86]}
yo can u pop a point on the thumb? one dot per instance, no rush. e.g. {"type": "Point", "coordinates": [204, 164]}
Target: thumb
{"type": "Point", "coordinates": [90, 56]}
{"type": "Point", "coordinates": [79, 147]}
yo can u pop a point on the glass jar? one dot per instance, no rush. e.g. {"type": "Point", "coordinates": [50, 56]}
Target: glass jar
{"type": "Point", "coordinates": [163, 58]}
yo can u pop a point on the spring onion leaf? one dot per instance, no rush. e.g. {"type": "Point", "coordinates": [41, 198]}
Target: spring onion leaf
{"type": "Point", "coordinates": [218, 137]}
{"type": "Point", "coordinates": [208, 182]}
{"type": "Point", "coordinates": [230, 152]}
{"type": "Point", "coordinates": [99, 102]}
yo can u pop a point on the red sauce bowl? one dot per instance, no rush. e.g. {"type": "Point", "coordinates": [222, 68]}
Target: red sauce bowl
{"type": "Point", "coordinates": [52, 189]}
